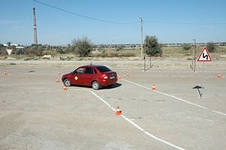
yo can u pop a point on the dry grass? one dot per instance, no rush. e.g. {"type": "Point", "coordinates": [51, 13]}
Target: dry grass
{"type": "Point", "coordinates": [168, 52]}
{"type": "Point", "coordinates": [178, 52]}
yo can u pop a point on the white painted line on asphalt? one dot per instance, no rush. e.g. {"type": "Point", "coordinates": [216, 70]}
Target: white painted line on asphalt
{"type": "Point", "coordinates": [137, 126]}
{"type": "Point", "coordinates": [180, 99]}
{"type": "Point", "coordinates": [177, 98]}
{"type": "Point", "coordinates": [218, 112]}
{"type": "Point", "coordinates": [137, 84]}
{"type": "Point", "coordinates": [105, 102]}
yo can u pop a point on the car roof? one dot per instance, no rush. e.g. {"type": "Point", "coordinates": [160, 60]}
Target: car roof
{"type": "Point", "coordinates": [91, 65]}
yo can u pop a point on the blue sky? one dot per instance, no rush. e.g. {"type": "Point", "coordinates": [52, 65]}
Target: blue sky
{"type": "Point", "coordinates": [112, 21]}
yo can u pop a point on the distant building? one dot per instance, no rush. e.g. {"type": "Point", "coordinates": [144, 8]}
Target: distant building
{"type": "Point", "coordinates": [12, 44]}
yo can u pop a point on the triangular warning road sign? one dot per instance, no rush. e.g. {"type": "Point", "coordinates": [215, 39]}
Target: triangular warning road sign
{"type": "Point", "coordinates": [9, 51]}
{"type": "Point", "coordinates": [204, 56]}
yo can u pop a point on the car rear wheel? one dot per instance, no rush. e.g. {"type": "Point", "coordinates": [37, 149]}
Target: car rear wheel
{"type": "Point", "coordinates": [95, 85]}
{"type": "Point", "coordinates": [67, 82]}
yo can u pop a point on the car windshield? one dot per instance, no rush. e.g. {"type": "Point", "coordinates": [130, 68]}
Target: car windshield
{"type": "Point", "coordinates": [103, 69]}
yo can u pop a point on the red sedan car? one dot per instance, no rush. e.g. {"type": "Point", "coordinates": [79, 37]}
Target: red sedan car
{"type": "Point", "coordinates": [96, 76]}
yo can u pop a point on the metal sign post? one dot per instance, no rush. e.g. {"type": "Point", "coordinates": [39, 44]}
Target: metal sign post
{"type": "Point", "coordinates": [203, 57]}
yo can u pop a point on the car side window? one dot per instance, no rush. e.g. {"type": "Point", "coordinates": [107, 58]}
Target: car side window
{"type": "Point", "coordinates": [88, 70]}
{"type": "Point", "coordinates": [80, 70]}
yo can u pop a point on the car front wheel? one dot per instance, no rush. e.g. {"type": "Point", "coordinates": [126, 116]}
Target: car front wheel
{"type": "Point", "coordinates": [95, 85]}
{"type": "Point", "coordinates": [67, 82]}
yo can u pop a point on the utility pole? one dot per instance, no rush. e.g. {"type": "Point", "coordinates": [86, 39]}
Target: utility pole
{"type": "Point", "coordinates": [141, 37]}
{"type": "Point", "coordinates": [35, 27]}
{"type": "Point", "coordinates": [194, 55]}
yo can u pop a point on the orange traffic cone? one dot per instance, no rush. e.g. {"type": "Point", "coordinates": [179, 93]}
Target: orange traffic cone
{"type": "Point", "coordinates": [57, 80]}
{"type": "Point", "coordinates": [153, 87]}
{"type": "Point", "coordinates": [118, 112]}
{"type": "Point", "coordinates": [218, 75]}
{"type": "Point", "coordinates": [65, 88]}
{"type": "Point", "coordinates": [119, 77]}
{"type": "Point", "coordinates": [127, 74]}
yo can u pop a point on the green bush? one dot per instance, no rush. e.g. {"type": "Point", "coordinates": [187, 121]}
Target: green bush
{"type": "Point", "coordinates": [34, 50]}
{"type": "Point", "coordinates": [186, 46]}
{"type": "Point", "coordinates": [152, 47]}
{"type": "Point", "coordinates": [82, 47]}
{"type": "Point", "coordinates": [211, 47]}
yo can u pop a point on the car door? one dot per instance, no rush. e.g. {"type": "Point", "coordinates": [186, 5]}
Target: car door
{"type": "Point", "coordinates": [77, 76]}
{"type": "Point", "coordinates": [86, 77]}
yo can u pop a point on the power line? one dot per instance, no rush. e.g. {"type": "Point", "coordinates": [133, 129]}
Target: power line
{"type": "Point", "coordinates": [81, 15]}
{"type": "Point", "coordinates": [183, 22]}
{"type": "Point", "coordinates": [117, 22]}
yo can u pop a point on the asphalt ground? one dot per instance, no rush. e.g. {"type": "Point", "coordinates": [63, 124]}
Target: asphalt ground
{"type": "Point", "coordinates": [36, 113]}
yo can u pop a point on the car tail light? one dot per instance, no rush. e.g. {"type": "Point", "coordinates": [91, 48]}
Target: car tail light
{"type": "Point", "coordinates": [105, 77]}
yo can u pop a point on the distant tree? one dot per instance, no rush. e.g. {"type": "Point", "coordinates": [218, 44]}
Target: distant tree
{"type": "Point", "coordinates": [34, 50]}
{"type": "Point", "coordinates": [120, 47]}
{"type": "Point", "coordinates": [211, 47]}
{"type": "Point", "coordinates": [82, 47]}
{"type": "Point", "coordinates": [13, 47]}
{"type": "Point", "coordinates": [2, 49]}
{"type": "Point", "coordinates": [186, 46]}
{"type": "Point", "coordinates": [60, 50]}
{"type": "Point", "coordinates": [152, 47]}
{"type": "Point", "coordinates": [9, 44]}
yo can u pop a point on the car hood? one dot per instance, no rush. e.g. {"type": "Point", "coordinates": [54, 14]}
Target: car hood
{"type": "Point", "coordinates": [68, 74]}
